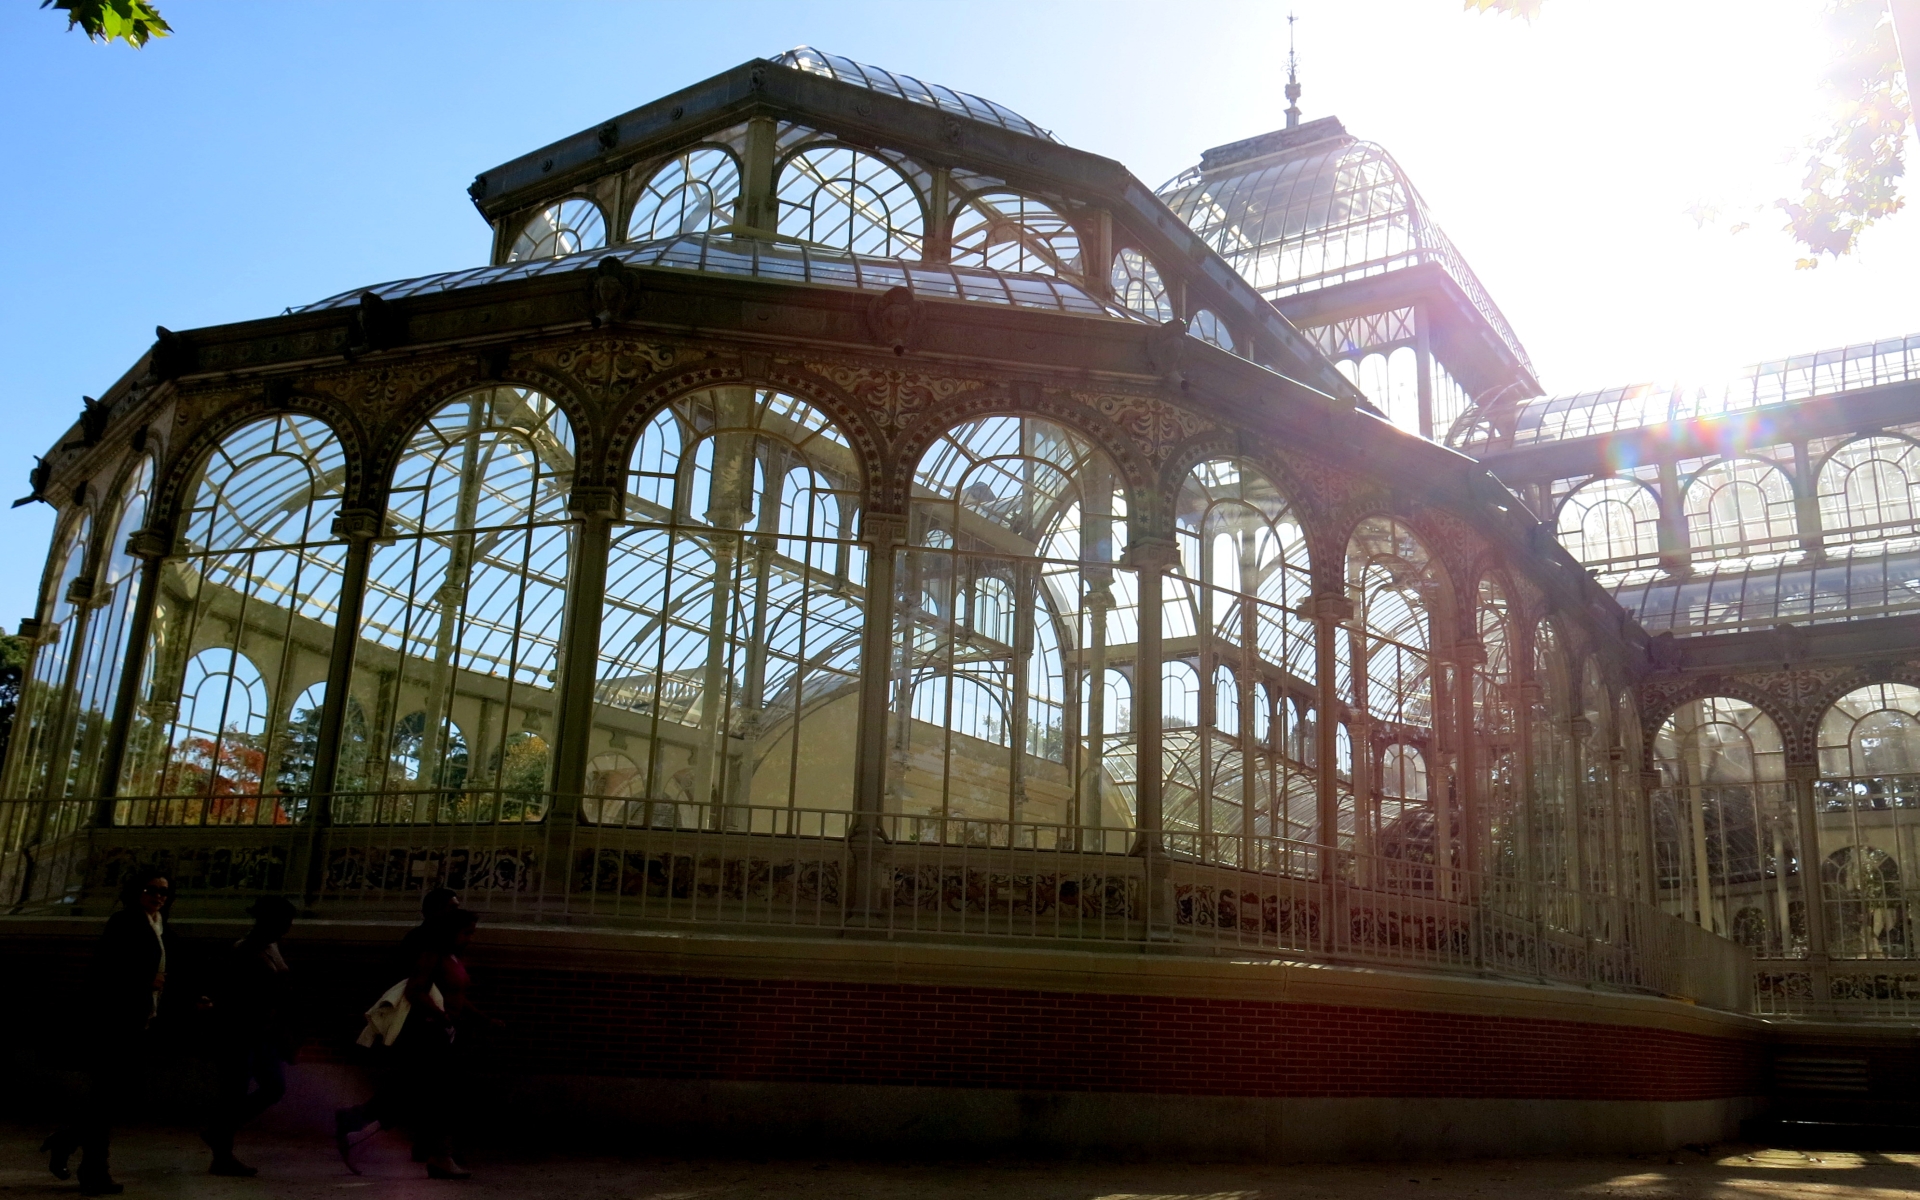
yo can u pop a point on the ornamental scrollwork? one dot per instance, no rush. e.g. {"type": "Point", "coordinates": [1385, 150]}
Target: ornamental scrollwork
{"type": "Point", "coordinates": [1154, 425]}
{"type": "Point", "coordinates": [606, 366]}
{"type": "Point", "coordinates": [894, 396]}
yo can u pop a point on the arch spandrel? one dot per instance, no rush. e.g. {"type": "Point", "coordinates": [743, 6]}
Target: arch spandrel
{"type": "Point", "coordinates": [1136, 473]}
{"type": "Point", "coordinates": [186, 457]}
{"type": "Point", "coordinates": [398, 432]}
{"type": "Point", "coordinates": [854, 419]}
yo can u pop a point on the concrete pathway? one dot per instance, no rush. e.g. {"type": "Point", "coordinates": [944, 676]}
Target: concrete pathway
{"type": "Point", "coordinates": [169, 1163]}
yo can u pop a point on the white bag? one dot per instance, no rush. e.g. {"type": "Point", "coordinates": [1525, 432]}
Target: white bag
{"type": "Point", "coordinates": [389, 1014]}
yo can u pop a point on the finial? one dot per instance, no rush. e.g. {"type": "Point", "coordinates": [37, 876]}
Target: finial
{"type": "Point", "coordinates": [1293, 77]}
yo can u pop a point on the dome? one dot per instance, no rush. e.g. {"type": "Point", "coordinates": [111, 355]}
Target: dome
{"type": "Point", "coordinates": [977, 108]}
{"type": "Point", "coordinates": [1309, 207]}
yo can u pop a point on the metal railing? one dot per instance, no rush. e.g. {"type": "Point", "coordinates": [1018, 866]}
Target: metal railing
{"type": "Point", "coordinates": [794, 872]}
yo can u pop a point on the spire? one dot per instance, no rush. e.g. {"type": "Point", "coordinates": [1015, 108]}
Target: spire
{"type": "Point", "coordinates": [1293, 77]}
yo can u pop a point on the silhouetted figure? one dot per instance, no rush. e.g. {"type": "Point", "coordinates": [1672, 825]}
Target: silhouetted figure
{"type": "Point", "coordinates": [388, 1103]}
{"type": "Point", "coordinates": [253, 1031]}
{"type": "Point", "coordinates": [124, 989]}
{"type": "Point", "coordinates": [430, 1065]}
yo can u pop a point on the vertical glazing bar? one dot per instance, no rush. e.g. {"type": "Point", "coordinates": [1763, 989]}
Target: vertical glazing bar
{"type": "Point", "coordinates": [359, 527]}
{"type": "Point", "coordinates": [150, 546]}
{"type": "Point", "coordinates": [596, 508]}
{"type": "Point", "coordinates": [1152, 559]}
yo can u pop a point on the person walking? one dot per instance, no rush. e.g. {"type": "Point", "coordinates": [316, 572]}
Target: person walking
{"type": "Point", "coordinates": [388, 1103]}
{"type": "Point", "coordinates": [253, 1031]}
{"type": "Point", "coordinates": [439, 1008]}
{"type": "Point", "coordinates": [124, 989]}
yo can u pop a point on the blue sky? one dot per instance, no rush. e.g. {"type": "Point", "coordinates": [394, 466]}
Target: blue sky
{"type": "Point", "coordinates": [274, 153]}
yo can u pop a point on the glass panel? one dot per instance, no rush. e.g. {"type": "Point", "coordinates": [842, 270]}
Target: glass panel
{"type": "Point", "coordinates": [242, 627]}
{"type": "Point", "coordinates": [1020, 517]}
{"type": "Point", "coordinates": [692, 192]}
{"type": "Point", "coordinates": [1726, 843]}
{"type": "Point", "coordinates": [843, 199]}
{"type": "Point", "coordinates": [560, 229]}
{"type": "Point", "coordinates": [458, 653]}
{"type": "Point", "coordinates": [735, 603]}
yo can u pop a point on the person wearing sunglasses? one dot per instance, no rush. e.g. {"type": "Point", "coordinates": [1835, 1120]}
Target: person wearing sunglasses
{"type": "Point", "coordinates": [124, 989]}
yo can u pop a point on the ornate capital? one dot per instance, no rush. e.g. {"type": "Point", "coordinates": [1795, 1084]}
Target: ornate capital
{"type": "Point", "coordinates": [883, 531]}
{"type": "Point", "coordinates": [80, 591]}
{"type": "Point", "coordinates": [357, 524]}
{"type": "Point", "coordinates": [1330, 606]}
{"type": "Point", "coordinates": [1150, 555]}
{"type": "Point", "coordinates": [595, 500]}
{"type": "Point", "coordinates": [32, 629]}
{"type": "Point", "coordinates": [150, 544]}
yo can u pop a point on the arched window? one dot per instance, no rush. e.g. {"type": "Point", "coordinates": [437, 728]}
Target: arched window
{"type": "Point", "coordinates": [104, 651]}
{"type": "Point", "coordinates": [1740, 508]}
{"type": "Point", "coordinates": [1209, 328]}
{"type": "Point", "coordinates": [1262, 713]}
{"type": "Point", "coordinates": [1872, 731]}
{"type": "Point", "coordinates": [1494, 730]}
{"type": "Point", "coordinates": [1612, 524]}
{"type": "Point", "coordinates": [1867, 911]}
{"type": "Point", "coordinates": [461, 621]}
{"type": "Point", "coordinates": [1599, 829]}
{"type": "Point", "coordinates": [1870, 493]}
{"type": "Point", "coordinates": [1179, 694]}
{"type": "Point", "coordinates": [993, 609]}
{"type": "Point", "coordinates": [1866, 801]}
{"type": "Point", "coordinates": [41, 717]}
{"type": "Point", "coordinates": [219, 752]}
{"type": "Point", "coordinates": [848, 200]}
{"type": "Point", "coordinates": [1137, 286]}
{"type": "Point", "coordinates": [249, 603]}
{"type": "Point", "coordinates": [1725, 835]}
{"type": "Point", "coordinates": [1226, 701]}
{"type": "Point", "coordinates": [1028, 512]}
{"type": "Point", "coordinates": [1393, 586]}
{"type": "Point", "coordinates": [1004, 231]}
{"type": "Point", "coordinates": [564, 228]}
{"type": "Point", "coordinates": [1403, 781]}
{"type": "Point", "coordinates": [1403, 390]}
{"type": "Point", "coordinates": [1554, 812]}
{"type": "Point", "coordinates": [692, 192]}
{"type": "Point", "coordinates": [730, 634]}
{"type": "Point", "coordinates": [1238, 588]}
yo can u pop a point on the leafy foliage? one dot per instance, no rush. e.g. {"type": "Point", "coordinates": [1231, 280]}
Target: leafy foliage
{"type": "Point", "coordinates": [1853, 173]}
{"type": "Point", "coordinates": [14, 656]}
{"type": "Point", "coordinates": [131, 21]}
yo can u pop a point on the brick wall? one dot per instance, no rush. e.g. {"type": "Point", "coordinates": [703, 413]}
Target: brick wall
{"type": "Point", "coordinates": [785, 1031]}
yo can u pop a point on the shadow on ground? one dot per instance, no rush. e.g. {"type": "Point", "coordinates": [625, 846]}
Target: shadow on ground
{"type": "Point", "coordinates": [167, 1163]}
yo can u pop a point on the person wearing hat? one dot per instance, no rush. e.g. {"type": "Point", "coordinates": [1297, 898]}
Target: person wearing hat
{"type": "Point", "coordinates": [252, 1023]}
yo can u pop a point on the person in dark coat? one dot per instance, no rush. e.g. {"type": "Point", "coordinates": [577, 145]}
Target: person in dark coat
{"type": "Point", "coordinates": [431, 1068]}
{"type": "Point", "coordinates": [253, 1031]}
{"type": "Point", "coordinates": [124, 988]}
{"type": "Point", "coordinates": [388, 1102]}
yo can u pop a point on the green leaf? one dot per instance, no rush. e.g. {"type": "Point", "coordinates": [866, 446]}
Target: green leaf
{"type": "Point", "coordinates": [131, 21]}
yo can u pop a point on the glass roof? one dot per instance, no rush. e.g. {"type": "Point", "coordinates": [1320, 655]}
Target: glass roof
{"type": "Point", "coordinates": [1737, 596]}
{"type": "Point", "coordinates": [1843, 369]}
{"type": "Point", "coordinates": [722, 255]}
{"type": "Point", "coordinates": [1324, 213]}
{"type": "Point", "coordinates": [879, 79]}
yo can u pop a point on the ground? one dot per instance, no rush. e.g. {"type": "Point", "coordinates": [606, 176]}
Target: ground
{"type": "Point", "coordinates": [166, 1163]}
